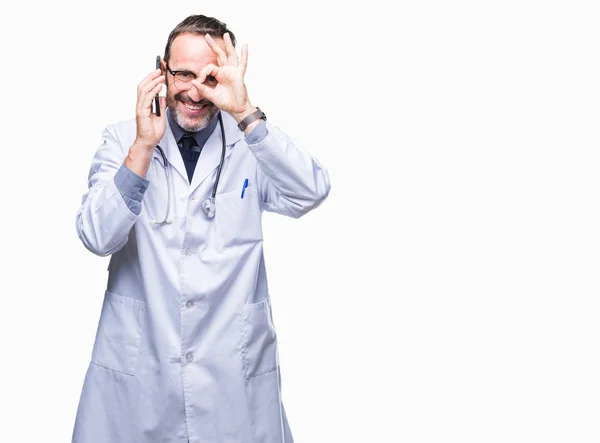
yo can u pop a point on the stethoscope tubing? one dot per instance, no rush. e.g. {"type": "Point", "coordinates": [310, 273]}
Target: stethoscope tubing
{"type": "Point", "coordinates": [214, 193]}
{"type": "Point", "coordinates": [208, 202]}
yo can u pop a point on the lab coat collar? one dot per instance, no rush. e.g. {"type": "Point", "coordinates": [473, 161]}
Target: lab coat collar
{"type": "Point", "coordinates": [169, 146]}
{"type": "Point", "coordinates": [211, 153]}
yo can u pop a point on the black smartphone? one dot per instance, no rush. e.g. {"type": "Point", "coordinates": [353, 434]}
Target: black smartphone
{"type": "Point", "coordinates": [156, 101]}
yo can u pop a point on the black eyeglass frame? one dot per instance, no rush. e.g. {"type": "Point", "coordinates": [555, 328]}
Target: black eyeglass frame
{"type": "Point", "coordinates": [210, 78]}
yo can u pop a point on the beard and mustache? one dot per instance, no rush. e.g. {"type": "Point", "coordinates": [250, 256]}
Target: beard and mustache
{"type": "Point", "coordinates": [185, 122]}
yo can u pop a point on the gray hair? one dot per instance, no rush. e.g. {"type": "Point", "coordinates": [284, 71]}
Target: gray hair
{"type": "Point", "coordinates": [198, 24]}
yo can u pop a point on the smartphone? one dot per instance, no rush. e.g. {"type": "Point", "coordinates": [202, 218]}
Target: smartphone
{"type": "Point", "coordinates": [156, 101]}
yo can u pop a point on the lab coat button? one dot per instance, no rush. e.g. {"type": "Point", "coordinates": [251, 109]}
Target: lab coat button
{"type": "Point", "coordinates": [189, 356]}
{"type": "Point", "coordinates": [189, 304]}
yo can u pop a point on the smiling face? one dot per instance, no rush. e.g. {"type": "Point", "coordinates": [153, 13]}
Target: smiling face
{"type": "Point", "coordinates": [190, 52]}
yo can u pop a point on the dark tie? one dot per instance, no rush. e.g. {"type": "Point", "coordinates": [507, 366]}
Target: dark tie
{"type": "Point", "coordinates": [189, 144]}
{"type": "Point", "coordinates": [190, 152]}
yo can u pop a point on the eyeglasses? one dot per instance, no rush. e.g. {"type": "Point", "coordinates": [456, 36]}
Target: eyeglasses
{"type": "Point", "coordinates": [183, 79]}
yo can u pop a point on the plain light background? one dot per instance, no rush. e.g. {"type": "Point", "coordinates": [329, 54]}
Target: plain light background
{"type": "Point", "coordinates": [446, 291]}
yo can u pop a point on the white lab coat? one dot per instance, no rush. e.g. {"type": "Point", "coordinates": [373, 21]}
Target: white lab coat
{"type": "Point", "coordinates": [186, 346]}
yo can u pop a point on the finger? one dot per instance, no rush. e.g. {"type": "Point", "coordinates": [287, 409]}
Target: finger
{"type": "Point", "coordinates": [143, 90]}
{"type": "Point", "coordinates": [146, 102]}
{"type": "Point", "coordinates": [203, 90]}
{"type": "Point", "coordinates": [231, 54]}
{"type": "Point", "coordinates": [244, 59]}
{"type": "Point", "coordinates": [148, 79]}
{"type": "Point", "coordinates": [221, 55]}
{"type": "Point", "coordinates": [162, 101]}
{"type": "Point", "coordinates": [209, 69]}
{"type": "Point", "coordinates": [149, 92]}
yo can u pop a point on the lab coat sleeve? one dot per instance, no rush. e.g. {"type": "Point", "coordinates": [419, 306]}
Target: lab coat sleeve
{"type": "Point", "coordinates": [290, 180]}
{"type": "Point", "coordinates": [104, 220]}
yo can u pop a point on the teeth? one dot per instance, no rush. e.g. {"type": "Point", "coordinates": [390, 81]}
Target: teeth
{"type": "Point", "coordinates": [193, 108]}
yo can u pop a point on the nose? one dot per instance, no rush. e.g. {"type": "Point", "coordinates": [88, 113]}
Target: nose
{"type": "Point", "coordinates": [194, 94]}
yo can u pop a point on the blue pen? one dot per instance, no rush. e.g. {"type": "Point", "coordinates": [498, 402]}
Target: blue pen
{"type": "Point", "coordinates": [244, 188]}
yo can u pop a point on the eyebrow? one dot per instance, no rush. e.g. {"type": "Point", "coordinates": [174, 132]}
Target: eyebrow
{"type": "Point", "coordinates": [181, 70]}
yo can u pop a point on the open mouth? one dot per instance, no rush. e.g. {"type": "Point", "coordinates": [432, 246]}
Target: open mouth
{"type": "Point", "coordinates": [193, 109]}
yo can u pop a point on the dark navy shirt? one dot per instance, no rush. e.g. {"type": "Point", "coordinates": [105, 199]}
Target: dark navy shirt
{"type": "Point", "coordinates": [190, 157]}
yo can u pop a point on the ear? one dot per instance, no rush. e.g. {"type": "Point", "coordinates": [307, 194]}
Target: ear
{"type": "Point", "coordinates": [163, 66]}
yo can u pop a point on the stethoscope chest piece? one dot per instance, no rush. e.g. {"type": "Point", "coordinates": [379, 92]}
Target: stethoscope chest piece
{"type": "Point", "coordinates": [208, 207]}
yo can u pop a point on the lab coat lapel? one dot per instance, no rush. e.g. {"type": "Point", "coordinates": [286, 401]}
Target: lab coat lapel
{"type": "Point", "coordinates": [169, 146]}
{"type": "Point", "coordinates": [211, 152]}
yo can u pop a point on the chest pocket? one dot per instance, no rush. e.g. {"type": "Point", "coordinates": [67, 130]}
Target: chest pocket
{"type": "Point", "coordinates": [238, 220]}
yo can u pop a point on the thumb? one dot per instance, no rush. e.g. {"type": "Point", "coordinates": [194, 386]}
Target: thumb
{"type": "Point", "coordinates": [162, 101]}
{"type": "Point", "coordinates": [203, 90]}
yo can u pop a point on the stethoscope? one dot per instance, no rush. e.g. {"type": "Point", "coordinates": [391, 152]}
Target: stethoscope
{"type": "Point", "coordinates": [208, 204]}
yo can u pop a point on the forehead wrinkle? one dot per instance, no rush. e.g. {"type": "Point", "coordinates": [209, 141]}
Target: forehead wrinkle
{"type": "Point", "coordinates": [190, 52]}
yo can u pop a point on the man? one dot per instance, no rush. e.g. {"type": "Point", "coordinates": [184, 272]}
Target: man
{"type": "Point", "coordinates": [186, 349]}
